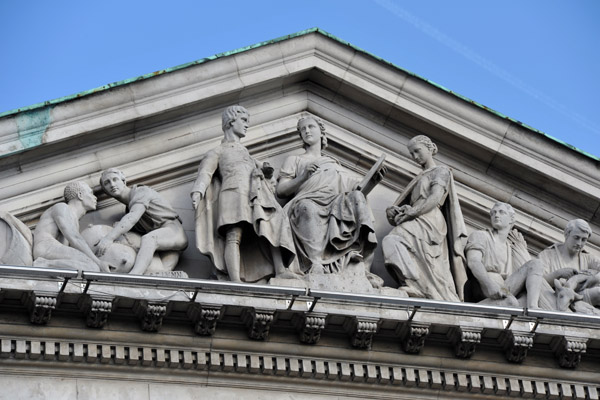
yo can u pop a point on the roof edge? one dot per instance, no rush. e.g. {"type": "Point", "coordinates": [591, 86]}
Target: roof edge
{"type": "Point", "coordinates": [109, 86]}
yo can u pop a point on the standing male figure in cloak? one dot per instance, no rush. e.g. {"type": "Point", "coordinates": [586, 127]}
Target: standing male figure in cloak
{"type": "Point", "coordinates": [239, 223]}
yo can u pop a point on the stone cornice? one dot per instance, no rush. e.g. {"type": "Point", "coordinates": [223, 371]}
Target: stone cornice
{"type": "Point", "coordinates": [241, 74]}
{"type": "Point", "coordinates": [261, 310]}
{"type": "Point", "coordinates": [208, 329]}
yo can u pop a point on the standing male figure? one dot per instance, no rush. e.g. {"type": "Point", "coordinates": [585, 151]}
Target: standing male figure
{"type": "Point", "coordinates": [500, 263]}
{"type": "Point", "coordinates": [57, 242]}
{"type": "Point", "coordinates": [235, 207]}
{"type": "Point", "coordinates": [149, 214]}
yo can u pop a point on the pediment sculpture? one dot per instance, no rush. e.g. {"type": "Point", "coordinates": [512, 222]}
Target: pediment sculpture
{"type": "Point", "coordinates": [332, 224]}
{"type": "Point", "coordinates": [322, 237]}
{"type": "Point", "coordinates": [424, 250]}
{"type": "Point", "coordinates": [239, 223]}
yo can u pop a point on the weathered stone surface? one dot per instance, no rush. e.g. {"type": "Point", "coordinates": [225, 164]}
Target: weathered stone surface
{"type": "Point", "coordinates": [96, 309]}
{"type": "Point", "coordinates": [231, 192]}
{"type": "Point", "coordinates": [321, 202]}
{"type": "Point", "coordinates": [158, 129]}
{"type": "Point", "coordinates": [568, 351]}
{"type": "Point", "coordinates": [16, 241]}
{"type": "Point", "coordinates": [258, 323]}
{"type": "Point", "coordinates": [361, 331]}
{"type": "Point", "coordinates": [516, 345]}
{"type": "Point", "coordinates": [150, 314]}
{"type": "Point", "coordinates": [412, 336]}
{"type": "Point", "coordinates": [61, 222]}
{"type": "Point", "coordinates": [204, 318]}
{"type": "Point", "coordinates": [40, 305]}
{"type": "Point", "coordinates": [465, 340]}
{"type": "Point", "coordinates": [148, 213]}
{"type": "Point", "coordinates": [309, 326]}
{"type": "Point", "coordinates": [422, 229]}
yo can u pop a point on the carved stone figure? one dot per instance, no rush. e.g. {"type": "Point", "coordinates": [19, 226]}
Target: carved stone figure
{"type": "Point", "coordinates": [330, 218]}
{"type": "Point", "coordinates": [57, 242]}
{"type": "Point", "coordinates": [500, 263]}
{"type": "Point", "coordinates": [16, 241]}
{"type": "Point", "coordinates": [236, 211]}
{"type": "Point", "coordinates": [122, 253]}
{"type": "Point", "coordinates": [148, 214]}
{"type": "Point", "coordinates": [424, 251]}
{"type": "Point", "coordinates": [569, 260]}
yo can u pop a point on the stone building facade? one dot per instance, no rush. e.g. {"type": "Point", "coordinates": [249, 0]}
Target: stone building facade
{"type": "Point", "coordinates": [92, 336]}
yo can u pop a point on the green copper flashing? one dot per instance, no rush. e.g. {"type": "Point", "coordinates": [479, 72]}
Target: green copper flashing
{"type": "Point", "coordinates": [156, 73]}
{"type": "Point", "coordinates": [280, 39]}
{"type": "Point", "coordinates": [32, 126]}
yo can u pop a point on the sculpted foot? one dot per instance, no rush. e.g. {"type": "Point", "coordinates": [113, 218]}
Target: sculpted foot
{"type": "Point", "coordinates": [355, 256]}
{"type": "Point", "coordinates": [316, 268]}
{"type": "Point", "coordinates": [287, 274]}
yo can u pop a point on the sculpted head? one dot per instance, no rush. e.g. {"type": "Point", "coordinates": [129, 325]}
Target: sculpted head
{"type": "Point", "coordinates": [421, 149]}
{"type": "Point", "coordinates": [112, 181]}
{"type": "Point", "coordinates": [502, 215]}
{"type": "Point", "coordinates": [231, 115]}
{"type": "Point", "coordinates": [306, 125]}
{"type": "Point", "coordinates": [80, 191]}
{"type": "Point", "coordinates": [577, 232]}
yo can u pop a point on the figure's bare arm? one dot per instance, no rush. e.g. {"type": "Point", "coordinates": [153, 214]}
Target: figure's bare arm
{"type": "Point", "coordinates": [69, 227]}
{"type": "Point", "coordinates": [490, 288]}
{"type": "Point", "coordinates": [566, 273]}
{"type": "Point", "coordinates": [287, 186]}
{"type": "Point", "coordinates": [123, 226]}
{"type": "Point", "coordinates": [127, 222]}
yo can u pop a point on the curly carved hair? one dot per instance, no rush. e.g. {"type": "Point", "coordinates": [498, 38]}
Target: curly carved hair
{"type": "Point", "coordinates": [321, 127]}
{"type": "Point", "coordinates": [74, 190]}
{"type": "Point", "coordinates": [425, 141]}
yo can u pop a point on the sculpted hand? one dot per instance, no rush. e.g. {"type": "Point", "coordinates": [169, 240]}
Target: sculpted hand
{"type": "Point", "coordinates": [584, 281]}
{"type": "Point", "coordinates": [406, 213]}
{"type": "Point", "coordinates": [380, 174]}
{"type": "Point", "coordinates": [312, 168]}
{"type": "Point", "coordinates": [257, 172]}
{"type": "Point", "coordinates": [591, 281]}
{"type": "Point", "coordinates": [196, 198]}
{"type": "Point", "coordinates": [565, 273]}
{"type": "Point", "coordinates": [102, 246]}
{"type": "Point", "coordinates": [104, 266]}
{"type": "Point", "coordinates": [492, 290]}
{"type": "Point", "coordinates": [391, 213]}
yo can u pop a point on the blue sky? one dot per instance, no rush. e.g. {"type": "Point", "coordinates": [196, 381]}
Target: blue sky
{"type": "Point", "coordinates": [536, 61]}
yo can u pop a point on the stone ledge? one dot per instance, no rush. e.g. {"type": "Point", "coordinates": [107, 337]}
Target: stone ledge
{"type": "Point", "coordinates": [103, 359]}
{"type": "Point", "coordinates": [363, 319]}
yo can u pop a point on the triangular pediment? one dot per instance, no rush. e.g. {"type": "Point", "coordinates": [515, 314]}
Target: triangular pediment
{"type": "Point", "coordinates": [222, 337]}
{"type": "Point", "coordinates": [158, 127]}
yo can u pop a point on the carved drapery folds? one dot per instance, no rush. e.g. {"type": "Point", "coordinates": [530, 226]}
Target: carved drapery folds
{"type": "Point", "coordinates": [204, 318]}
